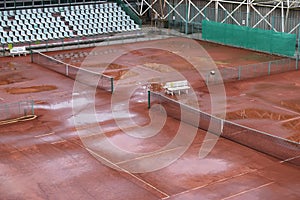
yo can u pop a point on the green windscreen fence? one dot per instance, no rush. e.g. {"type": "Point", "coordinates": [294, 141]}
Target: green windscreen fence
{"type": "Point", "coordinates": [251, 38]}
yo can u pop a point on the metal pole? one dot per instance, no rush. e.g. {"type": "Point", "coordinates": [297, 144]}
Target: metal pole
{"type": "Point", "coordinates": [112, 85]}
{"type": "Point", "coordinates": [216, 11]}
{"type": "Point", "coordinates": [269, 68]}
{"type": "Point", "coordinates": [282, 17]}
{"type": "Point", "coordinates": [31, 55]}
{"type": "Point", "coordinates": [149, 104]}
{"type": "Point", "coordinates": [32, 107]}
{"type": "Point", "coordinates": [298, 46]}
{"type": "Point", "coordinates": [186, 18]}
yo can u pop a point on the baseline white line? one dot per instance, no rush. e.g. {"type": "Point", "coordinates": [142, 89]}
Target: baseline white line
{"type": "Point", "coordinates": [37, 136]}
{"type": "Point", "coordinates": [285, 109]}
{"type": "Point", "coordinates": [57, 142]}
{"type": "Point", "coordinates": [240, 193]}
{"type": "Point", "coordinates": [149, 155]}
{"type": "Point", "coordinates": [289, 159]}
{"type": "Point", "coordinates": [291, 119]}
{"type": "Point", "coordinates": [218, 181]}
{"type": "Point", "coordinates": [127, 172]}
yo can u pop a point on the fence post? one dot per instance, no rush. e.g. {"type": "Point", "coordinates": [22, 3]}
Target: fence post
{"type": "Point", "coordinates": [297, 59]}
{"type": "Point", "coordinates": [298, 46]}
{"type": "Point", "coordinates": [269, 68]}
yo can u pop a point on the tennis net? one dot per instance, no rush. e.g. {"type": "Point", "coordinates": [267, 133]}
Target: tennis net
{"type": "Point", "coordinates": [104, 82]}
{"type": "Point", "coordinates": [280, 148]}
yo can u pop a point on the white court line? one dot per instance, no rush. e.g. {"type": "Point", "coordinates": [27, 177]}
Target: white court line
{"type": "Point", "coordinates": [237, 194]}
{"type": "Point", "coordinates": [57, 142]}
{"type": "Point", "coordinates": [218, 181]}
{"type": "Point", "coordinates": [285, 109]}
{"type": "Point", "coordinates": [37, 136]}
{"type": "Point", "coordinates": [127, 172]}
{"type": "Point", "coordinates": [291, 119]}
{"type": "Point", "coordinates": [289, 159]}
{"type": "Point", "coordinates": [149, 155]}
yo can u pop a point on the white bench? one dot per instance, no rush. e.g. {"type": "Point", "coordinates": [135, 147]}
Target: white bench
{"type": "Point", "coordinates": [18, 51]}
{"type": "Point", "coordinates": [176, 86]}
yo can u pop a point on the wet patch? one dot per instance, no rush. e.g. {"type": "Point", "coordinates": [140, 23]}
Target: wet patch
{"type": "Point", "coordinates": [32, 89]}
{"type": "Point", "coordinates": [121, 74]}
{"type": "Point", "coordinates": [158, 67]}
{"type": "Point", "coordinates": [12, 78]}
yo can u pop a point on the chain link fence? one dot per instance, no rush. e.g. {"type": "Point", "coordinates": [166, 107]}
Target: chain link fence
{"type": "Point", "coordinates": [227, 74]}
{"type": "Point", "coordinates": [16, 110]}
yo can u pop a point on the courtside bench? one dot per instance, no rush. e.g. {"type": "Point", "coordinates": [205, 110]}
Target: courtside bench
{"type": "Point", "coordinates": [18, 51]}
{"type": "Point", "coordinates": [176, 86]}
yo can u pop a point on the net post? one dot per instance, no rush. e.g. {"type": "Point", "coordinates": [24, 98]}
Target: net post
{"type": "Point", "coordinates": [207, 77]}
{"type": "Point", "coordinates": [31, 55]}
{"type": "Point", "coordinates": [149, 104]}
{"type": "Point", "coordinates": [19, 107]}
{"type": "Point", "coordinates": [67, 70]}
{"type": "Point", "coordinates": [112, 84]}
{"type": "Point", "coordinates": [239, 73]}
{"type": "Point", "coordinates": [32, 107]}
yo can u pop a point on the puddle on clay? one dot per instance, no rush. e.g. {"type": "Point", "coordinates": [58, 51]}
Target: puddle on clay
{"type": "Point", "coordinates": [121, 74]}
{"type": "Point", "coordinates": [45, 105]}
{"type": "Point", "coordinates": [12, 78]}
{"type": "Point", "coordinates": [32, 89]}
{"type": "Point", "coordinates": [159, 67]}
{"type": "Point", "coordinates": [207, 166]}
{"type": "Point", "coordinates": [9, 66]}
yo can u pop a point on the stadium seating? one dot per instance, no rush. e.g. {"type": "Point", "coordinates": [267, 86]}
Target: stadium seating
{"type": "Point", "coordinates": [37, 24]}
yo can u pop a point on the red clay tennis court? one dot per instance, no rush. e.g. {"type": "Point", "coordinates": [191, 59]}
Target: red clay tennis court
{"type": "Point", "coordinates": [45, 158]}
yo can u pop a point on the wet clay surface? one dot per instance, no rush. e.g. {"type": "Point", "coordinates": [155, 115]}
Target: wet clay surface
{"type": "Point", "coordinates": [46, 159]}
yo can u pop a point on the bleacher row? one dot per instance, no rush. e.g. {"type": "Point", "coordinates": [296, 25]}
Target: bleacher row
{"type": "Point", "coordinates": [31, 25]}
